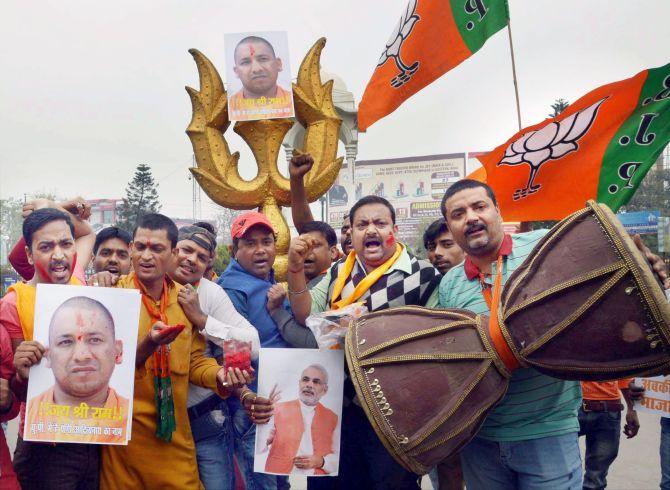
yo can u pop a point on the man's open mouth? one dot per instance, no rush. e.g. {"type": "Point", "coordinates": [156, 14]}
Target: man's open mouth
{"type": "Point", "coordinates": [260, 263]}
{"type": "Point", "coordinates": [113, 269]}
{"type": "Point", "coordinates": [187, 269]}
{"type": "Point", "coordinates": [59, 268]}
{"type": "Point", "coordinates": [146, 267]}
{"type": "Point", "coordinates": [372, 244]}
{"type": "Point", "coordinates": [473, 230]}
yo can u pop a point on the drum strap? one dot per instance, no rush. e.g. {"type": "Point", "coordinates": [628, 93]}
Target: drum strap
{"type": "Point", "coordinates": [493, 302]}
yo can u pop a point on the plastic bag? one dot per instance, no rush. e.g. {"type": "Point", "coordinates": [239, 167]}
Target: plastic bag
{"type": "Point", "coordinates": [237, 354]}
{"type": "Point", "coordinates": [330, 327]}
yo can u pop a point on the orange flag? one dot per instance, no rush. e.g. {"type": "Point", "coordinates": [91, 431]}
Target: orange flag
{"type": "Point", "coordinates": [599, 148]}
{"type": "Point", "coordinates": [431, 38]}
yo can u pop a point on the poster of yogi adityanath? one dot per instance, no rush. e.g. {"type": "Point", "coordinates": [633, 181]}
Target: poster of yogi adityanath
{"type": "Point", "coordinates": [82, 389]}
{"type": "Point", "coordinates": [303, 435]}
{"type": "Point", "coordinates": [258, 76]}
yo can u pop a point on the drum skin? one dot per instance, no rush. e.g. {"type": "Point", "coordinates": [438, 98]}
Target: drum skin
{"type": "Point", "coordinates": [585, 304]}
{"type": "Point", "coordinates": [425, 378]}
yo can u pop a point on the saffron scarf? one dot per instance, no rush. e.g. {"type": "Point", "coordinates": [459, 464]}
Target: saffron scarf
{"type": "Point", "coordinates": [165, 419]}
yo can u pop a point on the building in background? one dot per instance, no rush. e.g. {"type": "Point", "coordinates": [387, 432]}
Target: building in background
{"type": "Point", "coordinates": [104, 212]}
{"type": "Point", "coordinates": [413, 185]}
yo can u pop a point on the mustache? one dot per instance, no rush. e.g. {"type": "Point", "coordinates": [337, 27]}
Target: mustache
{"type": "Point", "coordinates": [475, 228]}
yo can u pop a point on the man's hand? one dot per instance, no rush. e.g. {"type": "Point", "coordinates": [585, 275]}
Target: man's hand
{"type": "Point", "coordinates": [103, 279]}
{"type": "Point", "coordinates": [300, 164]}
{"type": "Point", "coordinates": [308, 462]}
{"type": "Point", "coordinates": [28, 353]}
{"type": "Point", "coordinates": [298, 250]}
{"type": "Point", "coordinates": [34, 205]}
{"type": "Point", "coordinates": [636, 391]}
{"type": "Point", "coordinates": [234, 378]}
{"type": "Point", "coordinates": [656, 262]}
{"type": "Point", "coordinates": [6, 397]}
{"type": "Point", "coordinates": [276, 296]}
{"type": "Point", "coordinates": [190, 303]}
{"type": "Point", "coordinates": [78, 207]}
{"type": "Point", "coordinates": [632, 424]}
{"type": "Point", "coordinates": [271, 436]}
{"type": "Point", "coordinates": [162, 334]}
{"type": "Point", "coordinates": [261, 409]}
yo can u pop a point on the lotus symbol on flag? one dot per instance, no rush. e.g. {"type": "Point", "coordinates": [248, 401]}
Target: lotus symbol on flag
{"type": "Point", "coordinates": [392, 50]}
{"type": "Point", "coordinates": [553, 141]}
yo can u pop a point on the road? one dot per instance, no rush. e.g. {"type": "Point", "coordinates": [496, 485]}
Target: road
{"type": "Point", "coordinates": [636, 468]}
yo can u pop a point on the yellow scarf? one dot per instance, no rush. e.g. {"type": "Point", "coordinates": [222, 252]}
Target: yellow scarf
{"type": "Point", "coordinates": [362, 286]}
{"type": "Point", "coordinates": [25, 304]}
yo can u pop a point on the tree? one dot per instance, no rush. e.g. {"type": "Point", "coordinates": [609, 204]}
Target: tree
{"type": "Point", "coordinates": [223, 255]}
{"type": "Point", "coordinates": [559, 106]}
{"type": "Point", "coordinates": [11, 221]}
{"type": "Point", "coordinates": [141, 198]}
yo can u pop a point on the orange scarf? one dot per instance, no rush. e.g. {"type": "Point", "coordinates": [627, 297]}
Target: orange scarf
{"type": "Point", "coordinates": [493, 302]}
{"type": "Point", "coordinates": [165, 419]}
{"type": "Point", "coordinates": [362, 286]}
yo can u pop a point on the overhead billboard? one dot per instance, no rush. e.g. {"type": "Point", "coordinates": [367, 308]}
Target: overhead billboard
{"type": "Point", "coordinates": [413, 185]}
{"type": "Point", "coordinates": [640, 222]}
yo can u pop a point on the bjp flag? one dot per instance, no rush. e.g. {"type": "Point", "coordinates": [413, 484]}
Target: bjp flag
{"type": "Point", "coordinates": [599, 148]}
{"type": "Point", "coordinates": [431, 38]}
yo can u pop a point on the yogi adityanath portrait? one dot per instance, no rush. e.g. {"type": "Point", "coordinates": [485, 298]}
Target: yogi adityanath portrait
{"type": "Point", "coordinates": [259, 77]}
{"type": "Point", "coordinates": [82, 353]}
{"type": "Point", "coordinates": [303, 437]}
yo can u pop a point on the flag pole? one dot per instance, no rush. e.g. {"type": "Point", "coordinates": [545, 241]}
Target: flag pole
{"type": "Point", "coordinates": [516, 84]}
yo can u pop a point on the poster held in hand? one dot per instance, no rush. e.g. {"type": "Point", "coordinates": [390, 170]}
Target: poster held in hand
{"type": "Point", "coordinates": [82, 389]}
{"type": "Point", "coordinates": [258, 76]}
{"type": "Point", "coordinates": [303, 436]}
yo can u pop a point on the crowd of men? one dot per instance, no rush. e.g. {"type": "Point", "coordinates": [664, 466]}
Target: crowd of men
{"type": "Point", "coordinates": [530, 439]}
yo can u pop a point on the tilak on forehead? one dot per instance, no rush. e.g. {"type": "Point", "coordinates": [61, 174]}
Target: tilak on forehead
{"type": "Point", "coordinates": [252, 51]}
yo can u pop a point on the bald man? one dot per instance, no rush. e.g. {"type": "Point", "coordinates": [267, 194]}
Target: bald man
{"type": "Point", "coordinates": [257, 66]}
{"type": "Point", "coordinates": [82, 353]}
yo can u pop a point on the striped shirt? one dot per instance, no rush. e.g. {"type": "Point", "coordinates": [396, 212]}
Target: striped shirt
{"type": "Point", "coordinates": [535, 405]}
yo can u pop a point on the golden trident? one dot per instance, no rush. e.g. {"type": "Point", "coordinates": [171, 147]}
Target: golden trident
{"type": "Point", "coordinates": [217, 171]}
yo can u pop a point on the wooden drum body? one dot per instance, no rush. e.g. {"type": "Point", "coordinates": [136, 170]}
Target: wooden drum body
{"type": "Point", "coordinates": [425, 378]}
{"type": "Point", "coordinates": [585, 304]}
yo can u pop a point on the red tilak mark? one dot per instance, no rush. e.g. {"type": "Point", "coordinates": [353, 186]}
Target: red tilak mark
{"type": "Point", "coordinates": [149, 243]}
{"type": "Point", "coordinates": [252, 51]}
{"type": "Point", "coordinates": [390, 240]}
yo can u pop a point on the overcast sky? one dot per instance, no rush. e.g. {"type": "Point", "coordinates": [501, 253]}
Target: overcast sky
{"type": "Point", "coordinates": [91, 89]}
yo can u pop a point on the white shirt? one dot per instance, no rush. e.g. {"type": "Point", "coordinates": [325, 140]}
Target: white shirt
{"type": "Point", "coordinates": [223, 323]}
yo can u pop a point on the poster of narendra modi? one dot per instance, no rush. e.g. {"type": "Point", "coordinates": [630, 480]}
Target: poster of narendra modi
{"type": "Point", "coordinates": [258, 76]}
{"type": "Point", "coordinates": [303, 435]}
{"type": "Point", "coordinates": [81, 390]}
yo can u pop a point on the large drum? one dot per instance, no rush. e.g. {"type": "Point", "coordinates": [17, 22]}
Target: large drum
{"type": "Point", "coordinates": [583, 306]}
{"type": "Point", "coordinates": [425, 379]}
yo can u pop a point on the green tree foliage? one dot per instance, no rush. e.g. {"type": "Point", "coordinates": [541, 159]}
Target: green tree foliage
{"type": "Point", "coordinates": [558, 106]}
{"type": "Point", "coordinates": [141, 198]}
{"type": "Point", "coordinates": [11, 221]}
{"type": "Point", "coordinates": [223, 256]}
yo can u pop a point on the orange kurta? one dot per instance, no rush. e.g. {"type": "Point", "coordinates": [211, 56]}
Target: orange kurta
{"type": "Point", "coordinates": [289, 430]}
{"type": "Point", "coordinates": [111, 419]}
{"type": "Point", "coordinates": [149, 462]}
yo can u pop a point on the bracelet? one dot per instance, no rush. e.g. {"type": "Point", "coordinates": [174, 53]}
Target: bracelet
{"type": "Point", "coordinates": [297, 292]}
{"type": "Point", "coordinates": [244, 396]}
